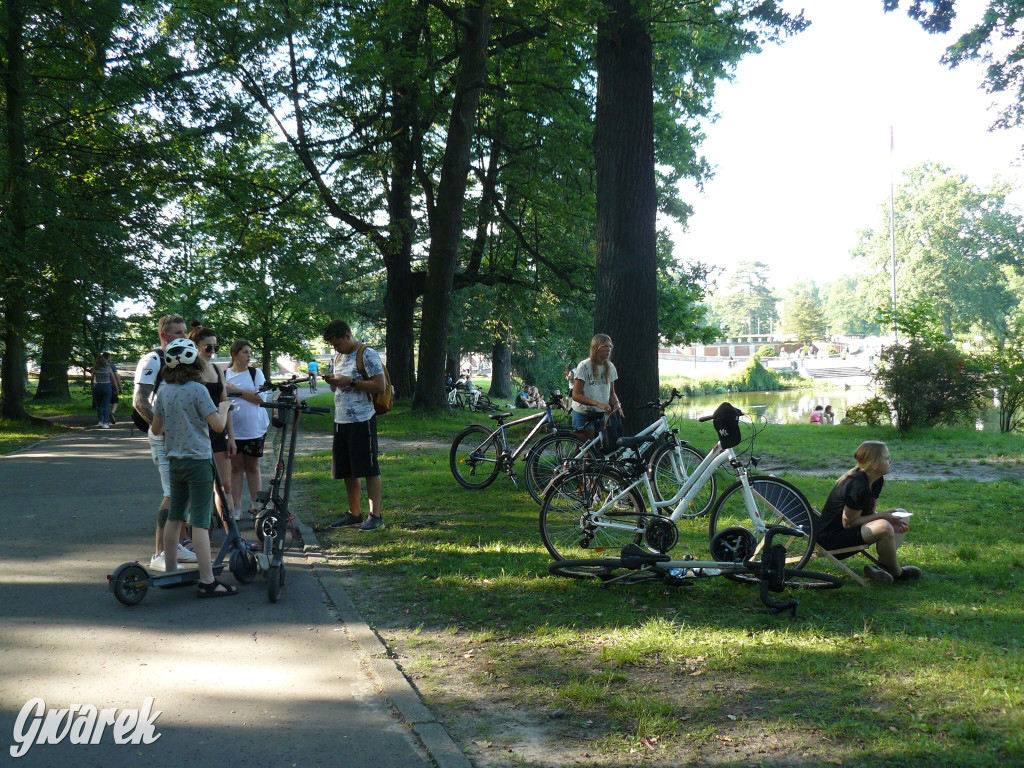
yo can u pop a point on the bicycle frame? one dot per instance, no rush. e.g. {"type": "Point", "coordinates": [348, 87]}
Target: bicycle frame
{"type": "Point", "coordinates": [544, 420]}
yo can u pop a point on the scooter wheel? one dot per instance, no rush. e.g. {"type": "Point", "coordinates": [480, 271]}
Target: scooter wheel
{"type": "Point", "coordinates": [243, 566]}
{"type": "Point", "coordinates": [275, 580]}
{"type": "Point", "coordinates": [131, 584]}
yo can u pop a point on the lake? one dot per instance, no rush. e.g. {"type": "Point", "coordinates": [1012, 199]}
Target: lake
{"type": "Point", "coordinates": [794, 406]}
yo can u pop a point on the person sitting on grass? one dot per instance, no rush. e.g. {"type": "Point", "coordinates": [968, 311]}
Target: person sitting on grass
{"type": "Point", "coordinates": [849, 517]}
{"type": "Point", "coordinates": [181, 413]}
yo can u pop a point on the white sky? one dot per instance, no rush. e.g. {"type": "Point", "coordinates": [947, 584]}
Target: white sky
{"type": "Point", "coordinates": [801, 150]}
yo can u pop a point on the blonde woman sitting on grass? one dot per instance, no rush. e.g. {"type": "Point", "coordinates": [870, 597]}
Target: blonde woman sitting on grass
{"type": "Point", "coordinates": [849, 519]}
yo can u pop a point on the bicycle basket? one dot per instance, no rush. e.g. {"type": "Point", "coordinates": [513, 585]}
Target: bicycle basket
{"type": "Point", "coordinates": [726, 420]}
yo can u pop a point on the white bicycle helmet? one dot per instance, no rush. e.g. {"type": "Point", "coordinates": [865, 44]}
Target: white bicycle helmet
{"type": "Point", "coordinates": [180, 352]}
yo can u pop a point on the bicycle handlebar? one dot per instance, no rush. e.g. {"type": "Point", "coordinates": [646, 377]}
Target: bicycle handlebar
{"type": "Point", "coordinates": [673, 396]}
{"type": "Point", "coordinates": [291, 382]}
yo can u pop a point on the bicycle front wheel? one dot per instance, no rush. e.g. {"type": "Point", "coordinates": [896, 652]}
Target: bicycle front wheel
{"type": "Point", "coordinates": [588, 514]}
{"type": "Point", "coordinates": [671, 466]}
{"type": "Point", "coordinates": [474, 457]}
{"type": "Point", "coordinates": [545, 459]}
{"type": "Point", "coordinates": [777, 503]}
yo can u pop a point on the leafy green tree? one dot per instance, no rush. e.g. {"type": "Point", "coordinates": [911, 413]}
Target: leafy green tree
{"type": "Point", "coordinates": [996, 40]}
{"type": "Point", "coordinates": [803, 319]}
{"type": "Point", "coordinates": [1005, 375]}
{"type": "Point", "coordinates": [953, 240]}
{"type": "Point", "coordinates": [748, 304]}
{"type": "Point", "coordinates": [847, 308]}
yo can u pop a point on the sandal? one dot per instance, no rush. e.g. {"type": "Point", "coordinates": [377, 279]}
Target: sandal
{"type": "Point", "coordinates": [215, 589]}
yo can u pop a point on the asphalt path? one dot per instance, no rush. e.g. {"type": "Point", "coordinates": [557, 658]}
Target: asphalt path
{"type": "Point", "coordinates": [235, 679]}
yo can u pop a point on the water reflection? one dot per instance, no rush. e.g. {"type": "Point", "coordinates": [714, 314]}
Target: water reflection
{"type": "Point", "coordinates": [786, 407]}
{"type": "Point", "coordinates": [795, 406]}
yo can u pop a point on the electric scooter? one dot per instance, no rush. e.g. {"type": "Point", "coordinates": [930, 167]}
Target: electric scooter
{"type": "Point", "coordinates": [274, 523]}
{"type": "Point", "coordinates": [131, 581]}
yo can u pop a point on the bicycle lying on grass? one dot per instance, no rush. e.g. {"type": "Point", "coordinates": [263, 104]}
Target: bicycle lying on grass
{"type": "Point", "coordinates": [736, 558]}
{"type": "Point", "coordinates": [595, 506]}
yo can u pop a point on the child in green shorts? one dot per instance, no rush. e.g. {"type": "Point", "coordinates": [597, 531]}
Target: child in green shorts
{"type": "Point", "coordinates": [182, 411]}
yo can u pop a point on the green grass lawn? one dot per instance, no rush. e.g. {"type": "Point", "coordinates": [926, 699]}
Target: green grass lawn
{"type": "Point", "coordinates": [15, 435]}
{"type": "Point", "coordinates": [923, 674]}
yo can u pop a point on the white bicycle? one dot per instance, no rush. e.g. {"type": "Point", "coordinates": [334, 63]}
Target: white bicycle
{"type": "Point", "coordinates": [595, 508]}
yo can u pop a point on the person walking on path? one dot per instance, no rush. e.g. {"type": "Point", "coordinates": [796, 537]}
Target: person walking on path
{"type": "Point", "coordinates": [103, 379]}
{"type": "Point", "coordinates": [355, 424]}
{"type": "Point", "coordinates": [147, 382]}
{"type": "Point", "coordinates": [314, 369]}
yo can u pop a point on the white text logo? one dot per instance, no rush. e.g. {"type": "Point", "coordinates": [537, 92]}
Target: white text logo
{"type": "Point", "coordinates": [83, 724]}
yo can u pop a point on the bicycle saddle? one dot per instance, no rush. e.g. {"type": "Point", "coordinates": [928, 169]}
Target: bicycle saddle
{"type": "Point", "coordinates": [634, 556]}
{"type": "Point", "coordinates": [499, 417]}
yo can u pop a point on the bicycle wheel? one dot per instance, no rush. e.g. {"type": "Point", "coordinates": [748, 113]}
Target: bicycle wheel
{"type": "Point", "coordinates": [474, 457]}
{"type": "Point", "coordinates": [608, 570]}
{"type": "Point", "coordinates": [778, 503]}
{"type": "Point", "coordinates": [545, 459]}
{"type": "Point", "coordinates": [801, 579]}
{"type": "Point", "coordinates": [670, 467]}
{"type": "Point", "coordinates": [586, 513]}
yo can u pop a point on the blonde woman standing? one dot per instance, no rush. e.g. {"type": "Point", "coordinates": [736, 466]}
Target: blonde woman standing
{"type": "Point", "coordinates": [593, 389]}
{"type": "Point", "coordinates": [249, 421]}
{"type": "Point", "coordinates": [849, 517]}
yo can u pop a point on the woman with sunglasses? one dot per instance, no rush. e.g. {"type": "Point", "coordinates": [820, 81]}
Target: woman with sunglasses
{"type": "Point", "coordinates": [222, 443]}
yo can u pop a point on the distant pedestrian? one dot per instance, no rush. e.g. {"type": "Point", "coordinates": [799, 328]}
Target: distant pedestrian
{"type": "Point", "coordinates": [816, 417]}
{"type": "Point", "coordinates": [102, 386]}
{"type": "Point", "coordinates": [314, 369]}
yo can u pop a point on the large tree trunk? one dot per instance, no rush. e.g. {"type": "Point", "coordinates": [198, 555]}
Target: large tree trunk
{"type": "Point", "coordinates": [53, 367]}
{"type": "Point", "coordinates": [626, 305]}
{"type": "Point", "coordinates": [12, 278]}
{"type": "Point", "coordinates": [400, 298]}
{"type": "Point", "coordinates": [446, 223]}
{"type": "Point", "coordinates": [501, 370]}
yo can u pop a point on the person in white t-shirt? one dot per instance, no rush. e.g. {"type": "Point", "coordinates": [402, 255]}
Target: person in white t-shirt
{"type": "Point", "coordinates": [593, 389]}
{"type": "Point", "coordinates": [354, 455]}
{"type": "Point", "coordinates": [147, 380]}
{"type": "Point", "coordinates": [249, 421]}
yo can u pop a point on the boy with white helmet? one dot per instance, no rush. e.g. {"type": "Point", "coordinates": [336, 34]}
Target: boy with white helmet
{"type": "Point", "coordinates": [181, 413]}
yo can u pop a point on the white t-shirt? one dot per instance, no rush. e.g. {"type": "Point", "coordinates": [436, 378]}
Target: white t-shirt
{"type": "Point", "coordinates": [353, 405]}
{"type": "Point", "coordinates": [248, 422]}
{"type": "Point", "coordinates": [148, 372]}
{"type": "Point", "coordinates": [595, 387]}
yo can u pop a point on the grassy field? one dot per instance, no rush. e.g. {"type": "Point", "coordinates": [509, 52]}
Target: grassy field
{"type": "Point", "coordinates": [17, 435]}
{"type": "Point", "coordinates": [528, 669]}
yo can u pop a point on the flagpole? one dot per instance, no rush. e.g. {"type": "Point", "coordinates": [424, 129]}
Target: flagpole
{"type": "Point", "coordinates": [892, 229]}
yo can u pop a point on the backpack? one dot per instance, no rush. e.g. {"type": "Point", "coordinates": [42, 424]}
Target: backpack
{"type": "Point", "coordinates": [385, 401]}
{"type": "Point", "coordinates": [137, 417]}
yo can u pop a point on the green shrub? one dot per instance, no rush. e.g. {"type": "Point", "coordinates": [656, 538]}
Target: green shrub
{"type": "Point", "coordinates": [870, 413]}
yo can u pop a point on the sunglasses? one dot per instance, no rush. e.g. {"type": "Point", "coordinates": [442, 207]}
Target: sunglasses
{"type": "Point", "coordinates": [212, 347]}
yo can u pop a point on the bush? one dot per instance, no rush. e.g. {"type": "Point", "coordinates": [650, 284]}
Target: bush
{"type": "Point", "coordinates": [765, 351]}
{"type": "Point", "coordinates": [927, 383]}
{"type": "Point", "coordinates": [755, 378]}
{"type": "Point", "coordinates": [871, 413]}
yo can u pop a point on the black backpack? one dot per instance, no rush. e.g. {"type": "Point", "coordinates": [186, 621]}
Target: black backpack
{"type": "Point", "coordinates": [137, 418]}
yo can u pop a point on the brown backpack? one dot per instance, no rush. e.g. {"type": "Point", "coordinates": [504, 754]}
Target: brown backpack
{"type": "Point", "coordinates": [385, 401]}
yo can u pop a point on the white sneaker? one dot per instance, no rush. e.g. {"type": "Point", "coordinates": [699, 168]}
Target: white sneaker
{"type": "Point", "coordinates": [156, 563]}
{"type": "Point", "coordinates": [99, 423]}
{"type": "Point", "coordinates": [105, 426]}
{"type": "Point", "coordinates": [237, 515]}
{"type": "Point", "coordinates": [185, 555]}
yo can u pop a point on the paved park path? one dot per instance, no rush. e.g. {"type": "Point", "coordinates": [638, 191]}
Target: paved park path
{"type": "Point", "coordinates": [303, 682]}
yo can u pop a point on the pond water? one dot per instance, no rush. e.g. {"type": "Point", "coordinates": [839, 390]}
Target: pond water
{"type": "Point", "coordinates": [794, 406]}
{"type": "Point", "coordinates": [791, 406]}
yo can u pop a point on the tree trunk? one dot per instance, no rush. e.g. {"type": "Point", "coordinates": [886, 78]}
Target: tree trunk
{"type": "Point", "coordinates": [446, 224]}
{"type": "Point", "coordinates": [501, 370]}
{"type": "Point", "coordinates": [53, 367]}
{"type": "Point", "coordinates": [626, 302]}
{"type": "Point", "coordinates": [400, 298]}
{"type": "Point", "coordinates": [12, 279]}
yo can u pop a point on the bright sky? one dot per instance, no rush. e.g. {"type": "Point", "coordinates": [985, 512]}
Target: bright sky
{"type": "Point", "coordinates": [801, 150]}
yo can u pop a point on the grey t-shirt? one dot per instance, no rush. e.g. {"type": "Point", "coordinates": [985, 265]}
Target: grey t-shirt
{"type": "Point", "coordinates": [184, 408]}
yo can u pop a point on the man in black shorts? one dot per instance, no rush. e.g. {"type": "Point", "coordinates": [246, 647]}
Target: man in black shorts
{"type": "Point", "coordinates": [355, 424]}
